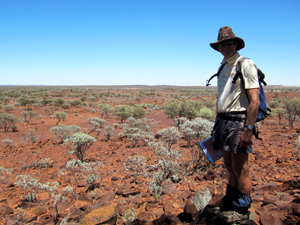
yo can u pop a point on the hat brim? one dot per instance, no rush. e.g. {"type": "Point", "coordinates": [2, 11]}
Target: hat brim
{"type": "Point", "coordinates": [240, 43]}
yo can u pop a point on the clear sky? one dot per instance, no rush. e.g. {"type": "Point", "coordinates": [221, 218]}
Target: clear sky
{"type": "Point", "coordinates": [147, 42]}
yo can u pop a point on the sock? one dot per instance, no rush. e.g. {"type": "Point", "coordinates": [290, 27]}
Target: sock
{"type": "Point", "coordinates": [243, 202]}
{"type": "Point", "coordinates": [231, 194]}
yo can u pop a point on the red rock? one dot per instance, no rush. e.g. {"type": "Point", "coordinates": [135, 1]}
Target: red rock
{"type": "Point", "coordinates": [190, 208]}
{"type": "Point", "coordinates": [168, 207]}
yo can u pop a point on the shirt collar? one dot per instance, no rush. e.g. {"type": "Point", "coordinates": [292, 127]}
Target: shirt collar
{"type": "Point", "coordinates": [232, 59]}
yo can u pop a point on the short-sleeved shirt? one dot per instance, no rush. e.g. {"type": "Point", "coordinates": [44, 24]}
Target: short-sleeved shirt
{"type": "Point", "coordinates": [232, 97]}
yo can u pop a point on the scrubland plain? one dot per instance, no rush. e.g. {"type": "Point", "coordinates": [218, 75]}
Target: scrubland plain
{"type": "Point", "coordinates": [129, 155]}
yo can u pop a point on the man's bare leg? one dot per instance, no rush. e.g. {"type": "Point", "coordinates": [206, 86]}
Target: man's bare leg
{"type": "Point", "coordinates": [241, 170]}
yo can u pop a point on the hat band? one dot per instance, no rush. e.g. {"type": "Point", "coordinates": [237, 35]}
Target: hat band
{"type": "Point", "coordinates": [225, 38]}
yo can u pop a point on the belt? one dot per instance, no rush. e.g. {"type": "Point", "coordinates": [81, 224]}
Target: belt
{"type": "Point", "coordinates": [233, 116]}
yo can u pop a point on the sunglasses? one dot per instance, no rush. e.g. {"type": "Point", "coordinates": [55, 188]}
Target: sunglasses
{"type": "Point", "coordinates": [226, 43]}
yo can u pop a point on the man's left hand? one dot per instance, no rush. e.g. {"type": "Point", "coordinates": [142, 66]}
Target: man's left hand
{"type": "Point", "coordinates": [246, 138]}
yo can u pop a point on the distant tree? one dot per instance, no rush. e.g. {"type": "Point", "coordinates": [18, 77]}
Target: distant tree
{"type": "Point", "coordinates": [8, 108]}
{"type": "Point", "coordinates": [138, 112]}
{"type": "Point", "coordinates": [23, 100]}
{"type": "Point", "coordinates": [280, 113]}
{"type": "Point", "coordinates": [109, 131]}
{"type": "Point", "coordinates": [60, 116]}
{"type": "Point", "coordinates": [292, 110]}
{"type": "Point", "coordinates": [105, 109]}
{"type": "Point", "coordinates": [80, 143]}
{"type": "Point", "coordinates": [123, 112]}
{"type": "Point", "coordinates": [95, 123]}
{"type": "Point", "coordinates": [59, 102]}
{"type": "Point", "coordinates": [7, 120]}
{"type": "Point", "coordinates": [62, 131]}
{"type": "Point", "coordinates": [273, 103]}
{"type": "Point", "coordinates": [28, 116]}
{"type": "Point", "coordinates": [171, 109]}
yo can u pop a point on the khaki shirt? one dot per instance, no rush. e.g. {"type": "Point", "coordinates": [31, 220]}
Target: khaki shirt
{"type": "Point", "coordinates": [232, 97]}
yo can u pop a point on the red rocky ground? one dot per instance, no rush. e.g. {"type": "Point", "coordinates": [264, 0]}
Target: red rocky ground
{"type": "Point", "coordinates": [274, 169]}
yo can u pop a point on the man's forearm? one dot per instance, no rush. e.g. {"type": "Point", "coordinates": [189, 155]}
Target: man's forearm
{"type": "Point", "coordinates": [253, 96]}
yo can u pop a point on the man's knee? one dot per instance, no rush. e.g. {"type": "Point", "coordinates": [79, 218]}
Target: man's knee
{"type": "Point", "coordinates": [240, 168]}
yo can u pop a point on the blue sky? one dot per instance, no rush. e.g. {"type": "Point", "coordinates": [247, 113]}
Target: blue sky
{"type": "Point", "coordinates": [149, 42]}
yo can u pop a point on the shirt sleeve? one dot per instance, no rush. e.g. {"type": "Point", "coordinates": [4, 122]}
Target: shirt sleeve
{"type": "Point", "coordinates": [249, 71]}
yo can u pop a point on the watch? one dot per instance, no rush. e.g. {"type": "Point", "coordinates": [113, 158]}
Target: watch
{"type": "Point", "coordinates": [250, 127]}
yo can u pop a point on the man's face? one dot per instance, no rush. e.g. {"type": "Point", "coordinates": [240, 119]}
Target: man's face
{"type": "Point", "coordinates": [227, 48]}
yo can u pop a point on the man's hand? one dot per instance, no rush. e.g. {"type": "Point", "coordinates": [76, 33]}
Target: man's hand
{"type": "Point", "coordinates": [246, 138]}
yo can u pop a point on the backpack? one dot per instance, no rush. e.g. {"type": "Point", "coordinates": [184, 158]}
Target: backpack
{"type": "Point", "coordinates": [263, 110]}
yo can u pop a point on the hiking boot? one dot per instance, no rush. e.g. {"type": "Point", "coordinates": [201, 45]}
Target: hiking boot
{"type": "Point", "coordinates": [213, 211]}
{"type": "Point", "coordinates": [232, 216]}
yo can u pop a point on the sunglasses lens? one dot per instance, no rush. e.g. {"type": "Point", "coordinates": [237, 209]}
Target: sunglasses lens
{"type": "Point", "coordinates": [227, 43]}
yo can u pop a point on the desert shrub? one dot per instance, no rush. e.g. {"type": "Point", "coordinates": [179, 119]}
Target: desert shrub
{"type": "Point", "coordinates": [189, 109]}
{"type": "Point", "coordinates": [45, 163]}
{"type": "Point", "coordinates": [14, 127]}
{"type": "Point", "coordinates": [137, 165]}
{"type": "Point", "coordinates": [45, 102]}
{"type": "Point", "coordinates": [31, 135]}
{"type": "Point", "coordinates": [204, 128]}
{"type": "Point", "coordinates": [186, 108]}
{"type": "Point", "coordinates": [55, 196]}
{"type": "Point", "coordinates": [129, 216]}
{"type": "Point", "coordinates": [169, 136]}
{"type": "Point", "coordinates": [62, 131]}
{"type": "Point", "coordinates": [109, 131]}
{"type": "Point", "coordinates": [60, 116]}
{"type": "Point", "coordinates": [30, 185]}
{"type": "Point", "coordinates": [7, 142]}
{"type": "Point", "coordinates": [76, 170]}
{"type": "Point", "coordinates": [7, 108]}
{"type": "Point", "coordinates": [206, 113]}
{"type": "Point", "coordinates": [123, 112]}
{"type": "Point", "coordinates": [65, 106]}
{"type": "Point", "coordinates": [273, 103]}
{"type": "Point", "coordinates": [7, 120]}
{"type": "Point", "coordinates": [95, 123]}
{"type": "Point", "coordinates": [209, 102]}
{"type": "Point", "coordinates": [138, 130]}
{"type": "Point", "coordinates": [179, 121]}
{"type": "Point", "coordinates": [189, 134]}
{"type": "Point", "coordinates": [138, 112]}
{"type": "Point", "coordinates": [292, 108]}
{"type": "Point", "coordinates": [298, 142]}
{"type": "Point", "coordinates": [194, 132]}
{"type": "Point", "coordinates": [116, 125]}
{"type": "Point", "coordinates": [279, 112]}
{"type": "Point", "coordinates": [28, 116]}
{"type": "Point", "coordinates": [5, 100]}
{"type": "Point", "coordinates": [80, 143]}
{"type": "Point", "coordinates": [91, 110]}
{"type": "Point", "coordinates": [156, 184]}
{"type": "Point", "coordinates": [23, 100]}
{"type": "Point", "coordinates": [4, 172]}
{"type": "Point", "coordinates": [105, 109]}
{"type": "Point", "coordinates": [171, 109]}
{"type": "Point", "coordinates": [59, 102]}
{"type": "Point", "coordinates": [75, 103]}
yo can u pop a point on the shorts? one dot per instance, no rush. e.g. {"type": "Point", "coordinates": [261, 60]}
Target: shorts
{"type": "Point", "coordinates": [227, 133]}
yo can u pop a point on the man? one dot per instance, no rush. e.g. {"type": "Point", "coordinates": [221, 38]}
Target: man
{"type": "Point", "coordinates": [233, 129]}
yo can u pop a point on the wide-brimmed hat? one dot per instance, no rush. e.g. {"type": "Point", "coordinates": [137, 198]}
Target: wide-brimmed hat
{"type": "Point", "coordinates": [226, 34]}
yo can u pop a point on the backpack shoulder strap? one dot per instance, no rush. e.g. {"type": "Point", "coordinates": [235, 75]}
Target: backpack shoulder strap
{"type": "Point", "coordinates": [215, 75]}
{"type": "Point", "coordinates": [239, 71]}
